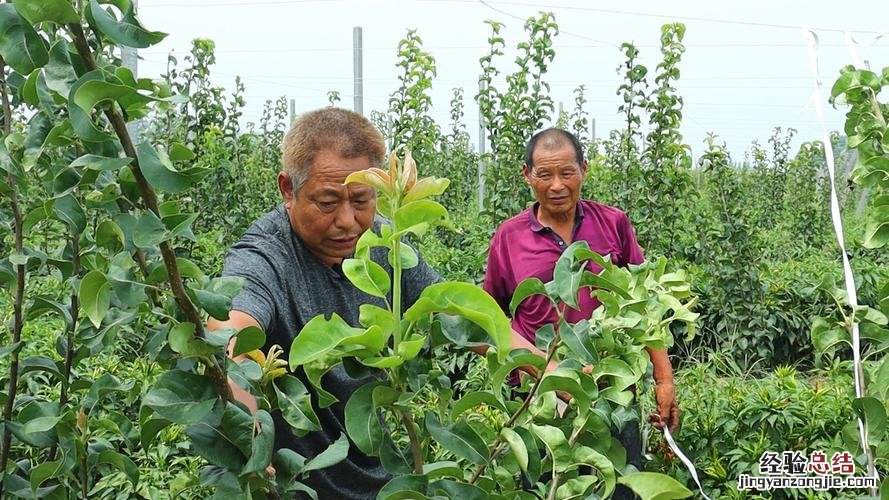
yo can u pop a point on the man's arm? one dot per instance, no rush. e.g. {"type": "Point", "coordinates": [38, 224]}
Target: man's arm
{"type": "Point", "coordinates": [237, 320]}
{"type": "Point", "coordinates": [664, 391]}
{"type": "Point", "coordinates": [519, 342]}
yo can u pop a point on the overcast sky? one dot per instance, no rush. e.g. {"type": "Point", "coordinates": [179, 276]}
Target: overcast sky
{"type": "Point", "coordinates": [746, 68]}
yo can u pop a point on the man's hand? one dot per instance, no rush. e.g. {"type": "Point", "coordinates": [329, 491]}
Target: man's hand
{"type": "Point", "coordinates": [667, 409]}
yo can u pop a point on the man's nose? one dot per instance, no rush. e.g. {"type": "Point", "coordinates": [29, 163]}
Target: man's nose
{"type": "Point", "coordinates": [557, 183]}
{"type": "Point", "coordinates": [345, 216]}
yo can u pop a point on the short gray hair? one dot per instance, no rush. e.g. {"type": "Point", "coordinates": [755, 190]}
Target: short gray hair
{"type": "Point", "coordinates": [346, 132]}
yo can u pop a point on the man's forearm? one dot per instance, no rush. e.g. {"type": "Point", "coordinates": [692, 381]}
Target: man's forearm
{"type": "Point", "coordinates": [241, 394]}
{"type": "Point", "coordinates": [519, 342]}
{"type": "Point", "coordinates": [662, 369]}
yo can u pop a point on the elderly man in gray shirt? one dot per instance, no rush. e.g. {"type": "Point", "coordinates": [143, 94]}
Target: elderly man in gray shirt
{"type": "Point", "coordinates": [290, 260]}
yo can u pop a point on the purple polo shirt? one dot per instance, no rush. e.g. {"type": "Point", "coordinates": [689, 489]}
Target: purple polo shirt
{"type": "Point", "coordinates": [522, 247]}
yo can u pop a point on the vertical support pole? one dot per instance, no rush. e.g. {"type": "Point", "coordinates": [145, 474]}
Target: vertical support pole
{"type": "Point", "coordinates": [358, 70]}
{"type": "Point", "coordinates": [130, 59]}
{"type": "Point", "coordinates": [593, 129]}
{"type": "Point", "coordinates": [481, 151]}
{"type": "Point", "coordinates": [292, 111]}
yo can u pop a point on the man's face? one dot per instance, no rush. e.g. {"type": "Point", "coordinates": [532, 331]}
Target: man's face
{"type": "Point", "coordinates": [556, 179]}
{"type": "Point", "coordinates": [326, 215]}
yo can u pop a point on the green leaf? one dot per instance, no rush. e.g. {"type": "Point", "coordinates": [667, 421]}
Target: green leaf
{"type": "Point", "coordinates": [334, 454]}
{"type": "Point", "coordinates": [474, 399]}
{"type": "Point", "coordinates": [295, 403]}
{"type": "Point", "coordinates": [566, 381]}
{"type": "Point", "coordinates": [149, 231]}
{"type": "Point", "coordinates": [105, 385]}
{"type": "Point", "coordinates": [584, 455]}
{"type": "Point", "coordinates": [159, 171]}
{"type": "Point", "coordinates": [227, 443]}
{"type": "Point", "coordinates": [404, 487]}
{"type": "Point", "coordinates": [517, 445]}
{"type": "Point", "coordinates": [468, 301]}
{"type": "Point", "coordinates": [262, 445]}
{"type": "Point", "coordinates": [367, 276]}
{"type": "Point", "coordinates": [556, 444]}
{"type": "Point", "coordinates": [41, 424]}
{"type": "Point", "coordinates": [150, 429]}
{"type": "Point", "coordinates": [121, 463]}
{"type": "Point", "coordinates": [362, 421]}
{"type": "Point", "coordinates": [248, 339]}
{"type": "Point", "coordinates": [217, 297]}
{"type": "Point", "coordinates": [109, 236]}
{"type": "Point", "coordinates": [127, 31]}
{"type": "Point", "coordinates": [179, 152]}
{"type": "Point", "coordinates": [21, 47]}
{"type": "Point", "coordinates": [318, 337]}
{"type": "Point", "coordinates": [872, 411]}
{"type": "Point", "coordinates": [577, 338]}
{"type": "Point", "coordinates": [654, 486]}
{"type": "Point", "coordinates": [95, 296]}
{"type": "Point", "coordinates": [44, 471]}
{"type": "Point", "coordinates": [95, 162]}
{"type": "Point", "coordinates": [419, 215]}
{"type": "Point", "coordinates": [426, 188]}
{"type": "Point", "coordinates": [183, 341]}
{"type": "Point", "coordinates": [825, 335]}
{"type": "Point", "coordinates": [527, 288]}
{"type": "Point", "coordinates": [459, 438]}
{"type": "Point", "coordinates": [182, 397]}
{"type": "Point", "coordinates": [38, 11]}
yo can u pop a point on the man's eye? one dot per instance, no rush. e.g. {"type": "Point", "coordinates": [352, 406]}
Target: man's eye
{"type": "Point", "coordinates": [327, 205]}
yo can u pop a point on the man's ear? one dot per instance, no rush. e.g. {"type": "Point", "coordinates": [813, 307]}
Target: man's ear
{"type": "Point", "coordinates": [526, 173]}
{"type": "Point", "coordinates": [285, 186]}
{"type": "Point", "coordinates": [583, 168]}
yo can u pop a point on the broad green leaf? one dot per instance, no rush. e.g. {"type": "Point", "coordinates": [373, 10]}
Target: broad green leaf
{"type": "Point", "coordinates": [362, 421]}
{"type": "Point", "coordinates": [121, 463]}
{"type": "Point", "coordinates": [262, 444]}
{"type": "Point", "coordinates": [425, 188]}
{"type": "Point", "coordinates": [527, 288]}
{"type": "Point", "coordinates": [577, 338]}
{"type": "Point", "coordinates": [149, 231]}
{"type": "Point", "coordinates": [227, 443]}
{"type": "Point", "coordinates": [95, 162]}
{"type": "Point", "coordinates": [44, 471]}
{"type": "Point", "coordinates": [334, 454]}
{"type": "Point", "coordinates": [473, 400]}
{"type": "Point", "coordinates": [654, 486]}
{"type": "Point", "coordinates": [248, 339]}
{"type": "Point", "coordinates": [21, 47]}
{"type": "Point", "coordinates": [95, 296]}
{"type": "Point", "coordinates": [182, 397]}
{"type": "Point", "coordinates": [318, 337]}
{"type": "Point", "coordinates": [459, 438]}
{"type": "Point", "coordinates": [468, 301]}
{"type": "Point", "coordinates": [183, 341]}
{"type": "Point", "coordinates": [295, 403]}
{"type": "Point", "coordinates": [565, 381]}
{"type": "Point", "coordinates": [457, 489]}
{"type": "Point", "coordinates": [419, 212]}
{"type": "Point", "coordinates": [159, 171]}
{"type": "Point", "coordinates": [69, 210]}
{"type": "Point", "coordinates": [127, 31]}
{"type": "Point", "coordinates": [826, 335]}
{"type": "Point", "coordinates": [38, 11]}
{"type": "Point", "coordinates": [109, 236]}
{"type": "Point", "coordinates": [367, 276]}
{"type": "Point", "coordinates": [409, 348]}
{"type": "Point", "coordinates": [872, 411]}
{"type": "Point", "coordinates": [102, 387]}
{"type": "Point", "coordinates": [41, 424]}
{"type": "Point", "coordinates": [556, 444]}
{"type": "Point", "coordinates": [407, 487]}
{"type": "Point", "coordinates": [584, 455]}
{"type": "Point", "coordinates": [517, 446]}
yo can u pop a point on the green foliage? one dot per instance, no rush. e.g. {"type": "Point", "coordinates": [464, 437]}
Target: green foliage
{"type": "Point", "coordinates": [512, 115]}
{"type": "Point", "coordinates": [730, 419]}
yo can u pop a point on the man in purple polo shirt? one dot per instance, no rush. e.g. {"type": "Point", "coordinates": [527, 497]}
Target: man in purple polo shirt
{"type": "Point", "coordinates": [530, 243]}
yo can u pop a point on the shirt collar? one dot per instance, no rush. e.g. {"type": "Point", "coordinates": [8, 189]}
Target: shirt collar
{"type": "Point", "coordinates": [537, 227]}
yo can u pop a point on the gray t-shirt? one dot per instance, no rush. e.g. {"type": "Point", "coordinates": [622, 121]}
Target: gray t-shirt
{"type": "Point", "coordinates": [285, 286]}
